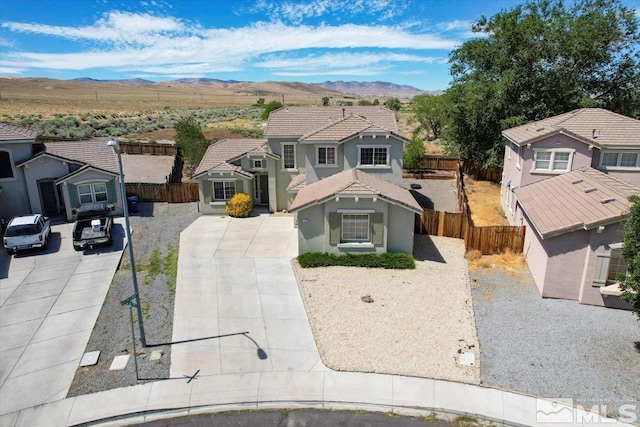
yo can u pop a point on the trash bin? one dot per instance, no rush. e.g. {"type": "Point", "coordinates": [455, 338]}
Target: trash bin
{"type": "Point", "coordinates": [132, 204]}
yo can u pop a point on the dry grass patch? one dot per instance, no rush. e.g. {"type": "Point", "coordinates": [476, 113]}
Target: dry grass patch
{"type": "Point", "coordinates": [510, 262]}
{"type": "Point", "coordinates": [484, 203]}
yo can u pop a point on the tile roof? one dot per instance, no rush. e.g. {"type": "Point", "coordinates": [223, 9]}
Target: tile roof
{"type": "Point", "coordinates": [299, 120]}
{"type": "Point", "coordinates": [227, 149]}
{"type": "Point", "coordinates": [297, 183]}
{"type": "Point", "coordinates": [353, 182]}
{"type": "Point", "coordinates": [582, 199]}
{"type": "Point", "coordinates": [15, 133]}
{"type": "Point", "coordinates": [596, 126]}
{"type": "Point", "coordinates": [146, 169]}
{"type": "Point", "coordinates": [93, 152]}
{"type": "Point", "coordinates": [344, 128]}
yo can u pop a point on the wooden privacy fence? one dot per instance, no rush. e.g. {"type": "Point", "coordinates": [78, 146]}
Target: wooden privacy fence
{"type": "Point", "coordinates": [440, 163]}
{"type": "Point", "coordinates": [146, 148]}
{"type": "Point", "coordinates": [488, 240]}
{"type": "Point", "coordinates": [173, 193]}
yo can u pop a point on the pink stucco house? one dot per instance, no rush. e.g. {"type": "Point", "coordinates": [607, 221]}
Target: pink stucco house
{"type": "Point", "coordinates": [568, 179]}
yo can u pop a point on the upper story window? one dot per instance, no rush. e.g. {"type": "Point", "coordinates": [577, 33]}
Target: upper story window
{"type": "Point", "coordinates": [326, 156]}
{"type": "Point", "coordinates": [92, 193]}
{"type": "Point", "coordinates": [257, 163]}
{"type": "Point", "coordinates": [6, 165]}
{"type": "Point", "coordinates": [289, 156]}
{"type": "Point", "coordinates": [552, 161]}
{"type": "Point", "coordinates": [620, 159]}
{"type": "Point", "coordinates": [518, 151]}
{"type": "Point", "coordinates": [374, 156]}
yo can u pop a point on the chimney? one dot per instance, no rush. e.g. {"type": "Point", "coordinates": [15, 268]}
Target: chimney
{"type": "Point", "coordinates": [343, 110]}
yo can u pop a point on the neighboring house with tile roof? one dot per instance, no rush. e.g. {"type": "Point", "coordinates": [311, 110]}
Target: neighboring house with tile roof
{"type": "Point", "coordinates": [328, 165]}
{"type": "Point", "coordinates": [15, 145]}
{"type": "Point", "coordinates": [61, 176]}
{"type": "Point", "coordinates": [567, 178]}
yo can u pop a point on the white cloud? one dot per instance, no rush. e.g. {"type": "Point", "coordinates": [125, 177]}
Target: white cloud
{"type": "Point", "coordinates": [11, 70]}
{"type": "Point", "coordinates": [166, 45]}
{"type": "Point", "coordinates": [337, 60]}
{"type": "Point", "coordinates": [456, 25]}
{"type": "Point", "coordinates": [6, 43]}
{"type": "Point", "coordinates": [297, 12]}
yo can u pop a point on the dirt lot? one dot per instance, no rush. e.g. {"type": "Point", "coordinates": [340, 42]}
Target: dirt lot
{"type": "Point", "coordinates": [484, 202]}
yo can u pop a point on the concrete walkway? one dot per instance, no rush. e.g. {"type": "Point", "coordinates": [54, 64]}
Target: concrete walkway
{"type": "Point", "coordinates": [49, 302]}
{"type": "Point", "coordinates": [235, 277]}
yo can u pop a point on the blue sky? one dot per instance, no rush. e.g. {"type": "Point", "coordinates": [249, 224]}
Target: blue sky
{"type": "Point", "coordinates": [400, 41]}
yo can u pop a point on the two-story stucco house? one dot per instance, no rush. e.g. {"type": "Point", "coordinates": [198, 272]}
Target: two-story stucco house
{"type": "Point", "coordinates": [54, 177]}
{"type": "Point", "coordinates": [337, 168]}
{"type": "Point", "coordinates": [567, 179]}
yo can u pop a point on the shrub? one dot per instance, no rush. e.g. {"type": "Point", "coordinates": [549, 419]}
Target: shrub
{"type": "Point", "coordinates": [240, 206]}
{"type": "Point", "coordinates": [388, 260]}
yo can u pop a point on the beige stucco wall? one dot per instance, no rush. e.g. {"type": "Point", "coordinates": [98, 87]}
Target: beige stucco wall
{"type": "Point", "coordinates": [565, 265]}
{"type": "Point", "coordinates": [393, 173]}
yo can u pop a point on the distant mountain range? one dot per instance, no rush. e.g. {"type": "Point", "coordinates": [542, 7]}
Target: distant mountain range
{"type": "Point", "coordinates": [362, 89]}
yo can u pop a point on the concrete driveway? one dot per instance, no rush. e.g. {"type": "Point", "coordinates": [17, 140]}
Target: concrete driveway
{"type": "Point", "coordinates": [238, 308]}
{"type": "Point", "coordinates": [49, 303]}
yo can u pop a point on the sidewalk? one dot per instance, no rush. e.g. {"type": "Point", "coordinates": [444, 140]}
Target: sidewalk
{"type": "Point", "coordinates": [319, 390]}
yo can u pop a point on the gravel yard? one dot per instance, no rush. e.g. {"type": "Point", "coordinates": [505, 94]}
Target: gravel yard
{"type": "Point", "coordinates": [417, 323]}
{"type": "Point", "coordinates": [156, 227]}
{"type": "Point", "coordinates": [554, 348]}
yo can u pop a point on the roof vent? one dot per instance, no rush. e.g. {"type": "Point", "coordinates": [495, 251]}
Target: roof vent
{"type": "Point", "coordinates": [590, 189]}
{"type": "Point", "coordinates": [577, 181]}
{"type": "Point", "coordinates": [607, 200]}
{"type": "Point", "coordinates": [593, 134]}
{"type": "Point", "coordinates": [539, 129]}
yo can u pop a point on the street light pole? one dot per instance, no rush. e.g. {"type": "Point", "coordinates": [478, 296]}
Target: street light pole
{"type": "Point", "coordinates": [116, 147]}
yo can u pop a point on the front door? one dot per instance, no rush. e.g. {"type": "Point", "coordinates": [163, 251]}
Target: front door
{"type": "Point", "coordinates": [262, 189]}
{"type": "Point", "coordinates": [48, 197]}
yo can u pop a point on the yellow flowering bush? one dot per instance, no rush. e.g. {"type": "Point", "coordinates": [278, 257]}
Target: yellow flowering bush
{"type": "Point", "coordinates": [239, 206]}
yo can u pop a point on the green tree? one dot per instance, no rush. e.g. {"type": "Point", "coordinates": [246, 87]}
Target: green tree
{"type": "Point", "coordinates": [630, 283]}
{"type": "Point", "coordinates": [393, 104]}
{"type": "Point", "coordinates": [364, 102]}
{"type": "Point", "coordinates": [430, 114]}
{"type": "Point", "coordinates": [268, 108]}
{"type": "Point", "coordinates": [191, 140]}
{"type": "Point", "coordinates": [537, 60]}
{"type": "Point", "coordinates": [325, 101]}
{"type": "Point", "coordinates": [413, 154]}
{"type": "Point", "coordinates": [376, 102]}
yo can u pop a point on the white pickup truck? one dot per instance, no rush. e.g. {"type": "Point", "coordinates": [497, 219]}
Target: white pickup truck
{"type": "Point", "coordinates": [26, 232]}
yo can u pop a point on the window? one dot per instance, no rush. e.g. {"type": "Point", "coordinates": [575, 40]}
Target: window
{"type": "Point", "coordinates": [326, 156]}
{"type": "Point", "coordinates": [92, 193]}
{"type": "Point", "coordinates": [257, 163]}
{"type": "Point", "coordinates": [223, 190]}
{"type": "Point", "coordinates": [100, 191]}
{"type": "Point", "coordinates": [355, 227]}
{"type": "Point", "coordinates": [617, 266]}
{"type": "Point", "coordinates": [288, 156]}
{"type": "Point", "coordinates": [553, 161]}
{"type": "Point", "coordinates": [620, 159]}
{"type": "Point", "coordinates": [373, 156]}
{"type": "Point", "coordinates": [519, 157]}
{"type": "Point", "coordinates": [6, 165]}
